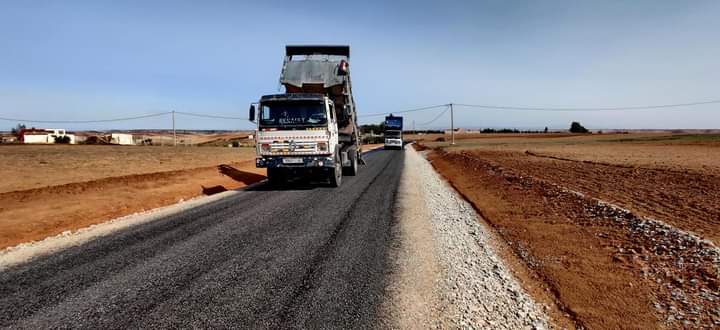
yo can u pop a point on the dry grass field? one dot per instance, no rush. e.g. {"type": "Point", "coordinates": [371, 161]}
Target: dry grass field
{"type": "Point", "coordinates": [575, 209]}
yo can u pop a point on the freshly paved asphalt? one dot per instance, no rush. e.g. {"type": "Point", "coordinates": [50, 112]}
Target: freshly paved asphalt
{"type": "Point", "coordinates": [307, 257]}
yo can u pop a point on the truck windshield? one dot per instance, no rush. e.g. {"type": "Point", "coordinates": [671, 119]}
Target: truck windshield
{"type": "Point", "coordinates": [293, 114]}
{"type": "Point", "coordinates": [393, 134]}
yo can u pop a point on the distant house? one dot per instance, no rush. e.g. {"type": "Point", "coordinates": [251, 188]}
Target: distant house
{"type": "Point", "coordinates": [457, 131]}
{"type": "Point", "coordinates": [44, 136]}
{"type": "Point", "coordinates": [122, 139]}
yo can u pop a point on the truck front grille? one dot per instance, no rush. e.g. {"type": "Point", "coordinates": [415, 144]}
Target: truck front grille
{"type": "Point", "coordinates": [296, 147]}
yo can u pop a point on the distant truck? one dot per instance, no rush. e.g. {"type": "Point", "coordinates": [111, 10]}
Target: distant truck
{"type": "Point", "coordinates": [311, 129]}
{"type": "Point", "coordinates": [393, 132]}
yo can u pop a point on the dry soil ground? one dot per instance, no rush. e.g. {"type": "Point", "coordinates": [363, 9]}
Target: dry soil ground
{"type": "Point", "coordinates": [611, 225]}
{"type": "Point", "coordinates": [49, 189]}
{"type": "Point", "coordinates": [35, 166]}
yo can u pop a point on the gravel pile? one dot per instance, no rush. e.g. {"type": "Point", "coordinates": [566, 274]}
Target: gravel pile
{"type": "Point", "coordinates": [687, 266]}
{"type": "Point", "coordinates": [477, 289]}
{"type": "Point", "coordinates": [684, 265]}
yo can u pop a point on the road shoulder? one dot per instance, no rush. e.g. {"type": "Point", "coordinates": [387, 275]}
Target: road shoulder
{"type": "Point", "coordinates": [472, 287]}
{"type": "Point", "coordinates": [413, 294]}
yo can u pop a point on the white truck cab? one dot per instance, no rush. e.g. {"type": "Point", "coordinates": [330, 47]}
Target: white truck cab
{"type": "Point", "coordinates": [312, 127]}
{"type": "Point", "coordinates": [295, 129]}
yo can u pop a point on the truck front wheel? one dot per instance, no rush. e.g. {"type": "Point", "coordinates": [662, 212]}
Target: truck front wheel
{"type": "Point", "coordinates": [336, 173]}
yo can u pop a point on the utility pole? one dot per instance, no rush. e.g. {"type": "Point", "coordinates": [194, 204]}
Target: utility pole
{"type": "Point", "coordinates": [174, 134]}
{"type": "Point", "coordinates": [452, 125]}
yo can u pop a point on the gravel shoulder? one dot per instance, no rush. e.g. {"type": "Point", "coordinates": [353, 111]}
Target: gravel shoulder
{"type": "Point", "coordinates": [413, 296]}
{"type": "Point", "coordinates": [473, 287]}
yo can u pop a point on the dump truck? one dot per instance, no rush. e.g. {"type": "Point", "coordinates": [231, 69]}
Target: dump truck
{"type": "Point", "coordinates": [393, 132]}
{"type": "Point", "coordinates": [311, 130]}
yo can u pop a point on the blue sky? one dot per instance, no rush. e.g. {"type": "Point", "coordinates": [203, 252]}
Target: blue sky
{"type": "Point", "coordinates": [83, 60]}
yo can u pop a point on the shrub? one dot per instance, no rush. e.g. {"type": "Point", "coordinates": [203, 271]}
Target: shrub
{"type": "Point", "coordinates": [62, 139]}
{"type": "Point", "coordinates": [575, 127]}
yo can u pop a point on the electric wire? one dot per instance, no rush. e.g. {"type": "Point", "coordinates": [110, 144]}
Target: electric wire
{"type": "Point", "coordinates": [403, 111]}
{"type": "Point", "coordinates": [643, 107]}
{"type": "Point", "coordinates": [480, 106]}
{"type": "Point", "coordinates": [208, 116]}
{"type": "Point", "coordinates": [120, 119]}
{"type": "Point", "coordinates": [436, 118]}
{"type": "Point", "coordinates": [85, 121]}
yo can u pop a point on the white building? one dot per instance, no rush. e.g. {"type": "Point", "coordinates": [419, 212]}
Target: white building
{"type": "Point", "coordinates": [122, 139]}
{"type": "Point", "coordinates": [45, 136]}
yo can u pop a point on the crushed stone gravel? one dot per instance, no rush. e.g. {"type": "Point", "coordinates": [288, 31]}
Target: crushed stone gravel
{"type": "Point", "coordinates": [477, 289]}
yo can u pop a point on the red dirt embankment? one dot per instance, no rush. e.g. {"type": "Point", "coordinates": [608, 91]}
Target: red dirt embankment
{"type": "Point", "coordinates": [34, 214]}
{"type": "Point", "coordinates": [605, 266]}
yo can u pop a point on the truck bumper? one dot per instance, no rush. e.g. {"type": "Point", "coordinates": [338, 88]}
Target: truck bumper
{"type": "Point", "coordinates": [393, 143]}
{"type": "Point", "coordinates": [321, 161]}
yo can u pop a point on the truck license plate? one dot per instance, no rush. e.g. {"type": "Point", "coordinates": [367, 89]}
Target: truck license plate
{"type": "Point", "coordinates": [292, 161]}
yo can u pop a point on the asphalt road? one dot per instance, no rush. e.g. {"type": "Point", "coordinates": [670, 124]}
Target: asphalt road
{"type": "Point", "coordinates": [306, 257]}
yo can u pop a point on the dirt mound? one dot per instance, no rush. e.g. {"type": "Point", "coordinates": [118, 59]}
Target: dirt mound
{"type": "Point", "coordinates": [37, 213]}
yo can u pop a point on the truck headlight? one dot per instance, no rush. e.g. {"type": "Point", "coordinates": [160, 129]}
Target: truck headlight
{"type": "Point", "coordinates": [322, 146]}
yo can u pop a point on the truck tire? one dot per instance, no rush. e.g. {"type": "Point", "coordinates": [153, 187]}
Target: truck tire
{"type": "Point", "coordinates": [337, 172]}
{"type": "Point", "coordinates": [353, 168]}
{"type": "Point", "coordinates": [276, 177]}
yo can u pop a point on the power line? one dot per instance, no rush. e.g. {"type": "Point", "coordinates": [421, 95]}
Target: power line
{"type": "Point", "coordinates": [643, 107]}
{"type": "Point", "coordinates": [119, 119]}
{"type": "Point", "coordinates": [482, 106]}
{"type": "Point", "coordinates": [436, 118]}
{"type": "Point", "coordinates": [209, 116]}
{"type": "Point", "coordinates": [403, 111]}
{"type": "Point", "coordinates": [85, 121]}
{"type": "Point", "coordinates": [569, 109]}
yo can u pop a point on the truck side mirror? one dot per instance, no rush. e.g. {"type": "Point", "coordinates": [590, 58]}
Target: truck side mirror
{"type": "Point", "coordinates": [251, 114]}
